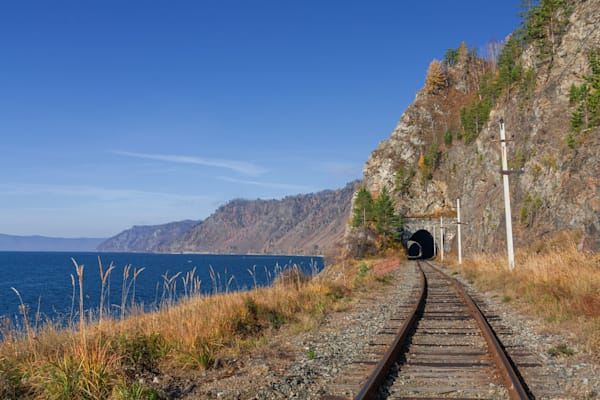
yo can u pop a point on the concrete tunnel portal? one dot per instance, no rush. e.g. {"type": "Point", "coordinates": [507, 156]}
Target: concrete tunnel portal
{"type": "Point", "coordinates": [421, 245]}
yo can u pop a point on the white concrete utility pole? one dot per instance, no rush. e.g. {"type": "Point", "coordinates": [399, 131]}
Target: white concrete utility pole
{"type": "Point", "coordinates": [458, 222]}
{"type": "Point", "coordinates": [442, 238]}
{"type": "Point", "coordinates": [434, 242]}
{"type": "Point", "coordinates": [505, 172]}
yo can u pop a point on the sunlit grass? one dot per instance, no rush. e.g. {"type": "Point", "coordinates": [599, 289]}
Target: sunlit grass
{"type": "Point", "coordinates": [556, 283]}
{"type": "Point", "coordinates": [96, 355]}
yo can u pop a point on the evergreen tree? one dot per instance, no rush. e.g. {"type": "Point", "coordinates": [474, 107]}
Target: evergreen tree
{"type": "Point", "coordinates": [593, 99]}
{"type": "Point", "coordinates": [404, 180]}
{"type": "Point", "coordinates": [448, 137]}
{"type": "Point", "coordinates": [387, 223]}
{"type": "Point", "coordinates": [363, 209]}
{"type": "Point", "coordinates": [509, 70]}
{"type": "Point", "coordinates": [544, 24]}
{"type": "Point", "coordinates": [586, 100]}
{"type": "Point", "coordinates": [451, 56]}
{"type": "Point", "coordinates": [579, 95]}
{"type": "Point", "coordinates": [474, 117]}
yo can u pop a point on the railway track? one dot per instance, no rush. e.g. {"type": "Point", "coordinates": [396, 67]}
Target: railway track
{"type": "Point", "coordinates": [444, 348]}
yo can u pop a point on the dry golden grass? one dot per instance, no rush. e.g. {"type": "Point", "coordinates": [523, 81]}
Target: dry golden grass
{"type": "Point", "coordinates": [555, 283]}
{"type": "Point", "coordinates": [95, 360]}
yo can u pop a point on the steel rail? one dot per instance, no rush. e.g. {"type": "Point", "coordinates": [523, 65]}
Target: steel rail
{"type": "Point", "coordinates": [514, 385]}
{"type": "Point", "coordinates": [370, 389]}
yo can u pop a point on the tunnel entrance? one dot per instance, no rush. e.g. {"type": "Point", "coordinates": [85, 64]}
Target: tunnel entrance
{"type": "Point", "coordinates": [420, 245]}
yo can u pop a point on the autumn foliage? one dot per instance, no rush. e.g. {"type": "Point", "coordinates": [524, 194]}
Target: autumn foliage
{"type": "Point", "coordinates": [436, 77]}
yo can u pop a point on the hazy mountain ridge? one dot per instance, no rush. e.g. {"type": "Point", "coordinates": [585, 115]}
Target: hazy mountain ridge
{"type": "Point", "coordinates": [302, 224]}
{"type": "Point", "coordinates": [44, 243]}
{"type": "Point", "coordinates": [146, 238]}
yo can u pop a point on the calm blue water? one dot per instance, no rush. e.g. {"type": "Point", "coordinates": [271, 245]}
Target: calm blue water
{"type": "Point", "coordinates": [43, 279]}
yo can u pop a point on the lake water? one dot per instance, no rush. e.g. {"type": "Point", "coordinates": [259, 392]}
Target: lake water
{"type": "Point", "coordinates": [44, 280]}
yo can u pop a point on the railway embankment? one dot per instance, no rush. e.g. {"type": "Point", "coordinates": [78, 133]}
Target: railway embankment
{"type": "Point", "coordinates": [330, 360]}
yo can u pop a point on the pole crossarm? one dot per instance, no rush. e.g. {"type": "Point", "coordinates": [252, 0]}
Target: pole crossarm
{"type": "Point", "coordinates": [459, 223]}
{"type": "Point", "coordinates": [502, 140]}
{"type": "Point", "coordinates": [511, 171]}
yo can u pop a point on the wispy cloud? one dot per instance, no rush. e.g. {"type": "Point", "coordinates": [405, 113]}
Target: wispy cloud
{"type": "Point", "coordinates": [237, 166]}
{"type": "Point", "coordinates": [93, 192]}
{"type": "Point", "coordinates": [93, 211]}
{"type": "Point", "coordinates": [267, 184]}
{"type": "Point", "coordinates": [340, 168]}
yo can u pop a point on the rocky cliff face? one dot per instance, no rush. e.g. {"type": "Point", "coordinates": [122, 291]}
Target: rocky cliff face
{"type": "Point", "coordinates": [559, 187]}
{"type": "Point", "coordinates": [303, 224]}
{"type": "Point", "coordinates": [147, 238]}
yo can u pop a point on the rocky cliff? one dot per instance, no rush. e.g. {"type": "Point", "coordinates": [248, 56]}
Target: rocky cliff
{"type": "Point", "coordinates": [146, 238]}
{"type": "Point", "coordinates": [303, 224]}
{"type": "Point", "coordinates": [445, 144]}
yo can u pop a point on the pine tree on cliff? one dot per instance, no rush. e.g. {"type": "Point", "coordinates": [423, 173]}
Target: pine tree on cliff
{"type": "Point", "coordinates": [544, 24]}
{"type": "Point", "coordinates": [363, 209]}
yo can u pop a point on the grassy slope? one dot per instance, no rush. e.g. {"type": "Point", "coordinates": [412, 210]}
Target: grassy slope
{"type": "Point", "coordinates": [553, 282]}
{"type": "Point", "coordinates": [101, 360]}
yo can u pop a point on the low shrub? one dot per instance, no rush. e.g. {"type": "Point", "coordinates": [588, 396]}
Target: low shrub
{"type": "Point", "coordinates": [140, 351]}
{"type": "Point", "coordinates": [11, 380]}
{"type": "Point", "coordinates": [135, 391]}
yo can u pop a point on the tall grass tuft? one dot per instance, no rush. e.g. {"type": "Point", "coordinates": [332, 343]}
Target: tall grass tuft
{"type": "Point", "coordinates": [169, 293]}
{"type": "Point", "coordinates": [104, 277]}
{"type": "Point", "coordinates": [82, 373]}
{"type": "Point", "coordinates": [557, 283]}
{"type": "Point", "coordinates": [79, 272]}
{"type": "Point", "coordinates": [132, 285]}
{"type": "Point", "coordinates": [191, 284]}
{"type": "Point", "coordinates": [25, 313]}
{"type": "Point", "coordinates": [71, 314]}
{"type": "Point", "coordinates": [124, 289]}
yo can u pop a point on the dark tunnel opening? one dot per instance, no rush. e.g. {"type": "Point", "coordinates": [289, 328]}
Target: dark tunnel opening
{"type": "Point", "coordinates": [420, 245]}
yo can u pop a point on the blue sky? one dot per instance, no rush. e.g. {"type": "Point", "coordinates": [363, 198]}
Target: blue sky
{"type": "Point", "coordinates": [118, 113]}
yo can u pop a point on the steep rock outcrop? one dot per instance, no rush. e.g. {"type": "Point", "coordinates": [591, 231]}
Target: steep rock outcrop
{"type": "Point", "coordinates": [559, 188]}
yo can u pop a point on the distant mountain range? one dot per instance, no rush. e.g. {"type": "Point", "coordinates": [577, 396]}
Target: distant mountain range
{"type": "Point", "coordinates": [312, 223]}
{"type": "Point", "coordinates": [303, 224]}
{"type": "Point", "coordinates": [42, 243]}
{"type": "Point", "coordinates": [147, 238]}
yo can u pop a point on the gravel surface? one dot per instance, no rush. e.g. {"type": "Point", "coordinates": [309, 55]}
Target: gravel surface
{"type": "Point", "coordinates": [323, 363]}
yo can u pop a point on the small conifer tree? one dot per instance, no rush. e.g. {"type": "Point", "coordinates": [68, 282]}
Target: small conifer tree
{"type": "Point", "coordinates": [463, 53]}
{"type": "Point", "coordinates": [362, 215]}
{"type": "Point", "coordinates": [387, 223]}
{"type": "Point", "coordinates": [436, 77]}
{"type": "Point", "coordinates": [448, 137]}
